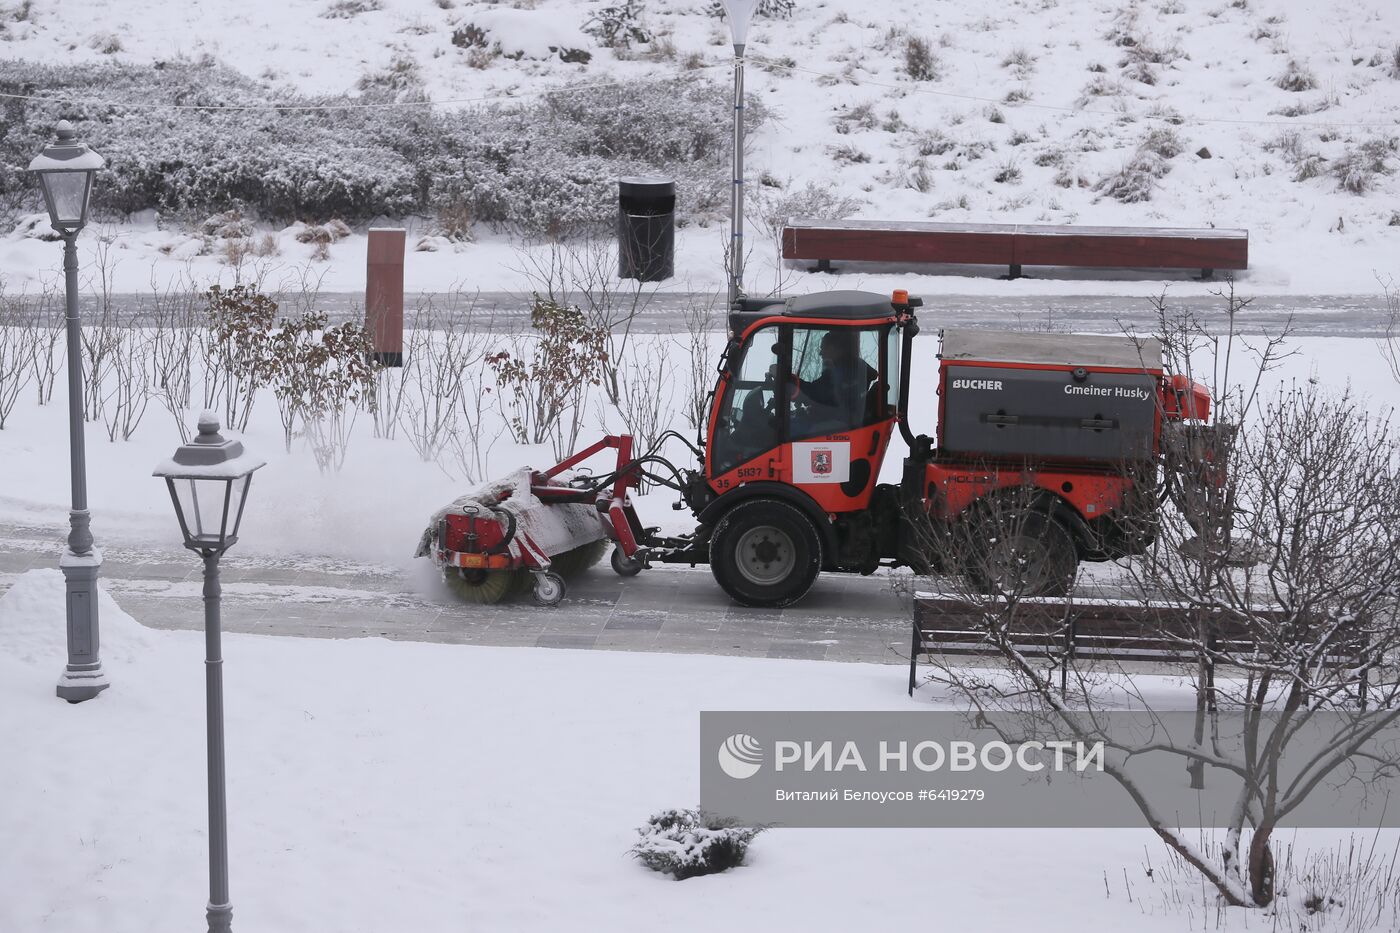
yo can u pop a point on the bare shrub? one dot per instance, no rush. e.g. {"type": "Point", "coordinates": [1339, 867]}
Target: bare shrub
{"type": "Point", "coordinates": [544, 377]}
{"type": "Point", "coordinates": [583, 274]}
{"type": "Point", "coordinates": [1009, 172]}
{"type": "Point", "coordinates": [920, 61]}
{"type": "Point", "coordinates": [1297, 76]}
{"type": "Point", "coordinates": [321, 375]}
{"type": "Point", "coordinates": [442, 349]}
{"type": "Point", "coordinates": [125, 403]}
{"type": "Point", "coordinates": [933, 143]}
{"type": "Point", "coordinates": [1020, 61]}
{"type": "Point", "coordinates": [173, 322]}
{"type": "Point", "coordinates": [703, 319]}
{"type": "Point", "coordinates": [648, 389]}
{"type": "Point", "coordinates": [1099, 86]}
{"type": "Point", "coordinates": [19, 341]}
{"type": "Point", "coordinates": [238, 325]}
{"type": "Point", "coordinates": [349, 9]}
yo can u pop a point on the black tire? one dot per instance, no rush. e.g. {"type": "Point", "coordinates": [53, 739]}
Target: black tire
{"type": "Point", "coordinates": [1036, 556]}
{"type": "Point", "coordinates": [766, 553]}
{"type": "Point", "coordinates": [549, 588]}
{"type": "Point", "coordinates": [623, 565]}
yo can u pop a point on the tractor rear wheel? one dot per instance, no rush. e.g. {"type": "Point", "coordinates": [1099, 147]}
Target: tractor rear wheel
{"type": "Point", "coordinates": [765, 552]}
{"type": "Point", "coordinates": [1034, 557]}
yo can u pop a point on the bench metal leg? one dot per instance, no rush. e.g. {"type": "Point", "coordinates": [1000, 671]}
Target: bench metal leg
{"type": "Point", "coordinates": [823, 265]}
{"type": "Point", "coordinates": [914, 658]}
{"type": "Point", "coordinates": [1015, 272]}
{"type": "Point", "coordinates": [1207, 275]}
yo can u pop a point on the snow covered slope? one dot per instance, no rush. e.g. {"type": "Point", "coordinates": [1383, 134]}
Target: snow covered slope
{"type": "Point", "coordinates": [1028, 111]}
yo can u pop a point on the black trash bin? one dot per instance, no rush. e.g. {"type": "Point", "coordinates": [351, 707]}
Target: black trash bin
{"type": "Point", "coordinates": [646, 228]}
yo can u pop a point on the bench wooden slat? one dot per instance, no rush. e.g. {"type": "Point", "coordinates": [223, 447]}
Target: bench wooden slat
{"type": "Point", "coordinates": [1015, 245]}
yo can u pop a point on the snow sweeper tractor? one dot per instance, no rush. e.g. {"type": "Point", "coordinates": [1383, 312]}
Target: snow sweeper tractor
{"type": "Point", "coordinates": [1082, 435]}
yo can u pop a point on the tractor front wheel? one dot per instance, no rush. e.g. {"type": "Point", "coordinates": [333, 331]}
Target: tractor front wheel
{"type": "Point", "coordinates": [766, 553]}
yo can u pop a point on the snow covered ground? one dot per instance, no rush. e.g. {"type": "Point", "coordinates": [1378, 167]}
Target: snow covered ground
{"type": "Point", "coordinates": [380, 786]}
{"type": "Point", "coordinates": [1026, 110]}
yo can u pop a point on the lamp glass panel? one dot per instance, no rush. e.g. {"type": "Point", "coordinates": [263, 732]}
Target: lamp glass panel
{"type": "Point", "coordinates": [238, 490]}
{"type": "Point", "coordinates": [202, 503]}
{"type": "Point", "coordinates": [68, 196]}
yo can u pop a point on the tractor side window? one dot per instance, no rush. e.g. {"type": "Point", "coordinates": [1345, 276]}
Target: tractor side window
{"type": "Point", "coordinates": [893, 359]}
{"type": "Point", "coordinates": [838, 380]}
{"type": "Point", "coordinates": [748, 419]}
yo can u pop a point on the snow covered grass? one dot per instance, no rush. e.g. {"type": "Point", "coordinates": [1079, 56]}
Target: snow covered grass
{"type": "Point", "coordinates": [386, 786]}
{"type": "Point", "coordinates": [1097, 77]}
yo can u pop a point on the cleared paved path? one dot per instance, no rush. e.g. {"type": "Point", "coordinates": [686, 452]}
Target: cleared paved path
{"type": "Point", "coordinates": [1315, 315]}
{"type": "Point", "coordinates": [844, 618]}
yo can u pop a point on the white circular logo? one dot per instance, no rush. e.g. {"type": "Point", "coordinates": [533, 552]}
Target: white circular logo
{"type": "Point", "coordinates": [740, 756]}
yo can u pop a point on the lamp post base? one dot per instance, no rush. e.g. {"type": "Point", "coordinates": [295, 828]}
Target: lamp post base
{"type": "Point", "coordinates": [83, 678]}
{"type": "Point", "coordinates": [220, 917]}
{"type": "Point", "coordinates": [77, 686]}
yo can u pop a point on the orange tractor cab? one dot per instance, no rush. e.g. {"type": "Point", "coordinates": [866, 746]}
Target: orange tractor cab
{"type": "Point", "coordinates": [811, 392]}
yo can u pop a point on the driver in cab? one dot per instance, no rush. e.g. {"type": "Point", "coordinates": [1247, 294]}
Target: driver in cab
{"type": "Point", "coordinates": [844, 396]}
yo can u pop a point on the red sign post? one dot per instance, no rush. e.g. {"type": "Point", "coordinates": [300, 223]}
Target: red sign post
{"type": "Point", "coordinates": [384, 294]}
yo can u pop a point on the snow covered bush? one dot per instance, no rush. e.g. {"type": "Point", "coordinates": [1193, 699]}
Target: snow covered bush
{"type": "Point", "coordinates": [619, 25]}
{"type": "Point", "coordinates": [767, 9]}
{"type": "Point", "coordinates": [687, 843]}
{"type": "Point", "coordinates": [1297, 76]}
{"type": "Point", "coordinates": [919, 61]}
{"type": "Point", "coordinates": [1136, 180]}
{"type": "Point", "coordinates": [1163, 141]}
{"type": "Point", "coordinates": [1357, 168]}
{"type": "Point", "coordinates": [540, 168]}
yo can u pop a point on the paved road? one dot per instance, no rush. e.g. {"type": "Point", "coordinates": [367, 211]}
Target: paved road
{"type": "Point", "coordinates": [664, 609]}
{"type": "Point", "coordinates": [1316, 315]}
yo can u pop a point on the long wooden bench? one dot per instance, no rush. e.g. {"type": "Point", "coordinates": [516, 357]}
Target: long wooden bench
{"type": "Point", "coordinates": [1060, 632]}
{"type": "Point", "coordinates": [1015, 245]}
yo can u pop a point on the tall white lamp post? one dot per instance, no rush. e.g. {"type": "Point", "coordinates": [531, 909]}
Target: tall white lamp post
{"type": "Point", "coordinates": [66, 169]}
{"type": "Point", "coordinates": [738, 12]}
{"type": "Point", "coordinates": [208, 480]}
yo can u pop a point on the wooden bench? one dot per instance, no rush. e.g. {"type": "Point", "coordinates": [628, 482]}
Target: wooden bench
{"type": "Point", "coordinates": [1015, 245]}
{"type": "Point", "coordinates": [1061, 632]}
